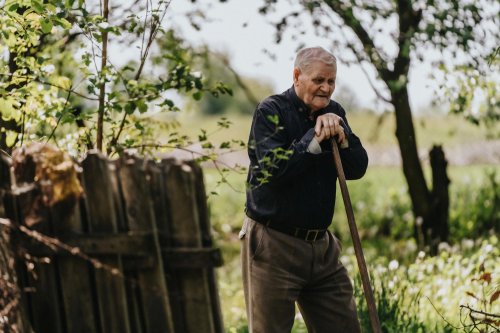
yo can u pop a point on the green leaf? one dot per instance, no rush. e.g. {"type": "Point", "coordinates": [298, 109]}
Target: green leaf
{"type": "Point", "coordinates": [207, 145]}
{"type": "Point", "coordinates": [203, 135]}
{"type": "Point", "coordinates": [62, 82]}
{"type": "Point", "coordinates": [62, 22]}
{"type": "Point", "coordinates": [37, 6]}
{"type": "Point", "coordinates": [274, 119]}
{"type": "Point", "coordinates": [142, 106]}
{"type": "Point", "coordinates": [46, 25]}
{"type": "Point", "coordinates": [13, 7]}
{"type": "Point", "coordinates": [198, 95]}
{"type": "Point", "coordinates": [130, 107]}
{"type": "Point", "coordinates": [139, 126]}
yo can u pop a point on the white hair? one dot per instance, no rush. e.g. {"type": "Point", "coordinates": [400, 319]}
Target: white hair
{"type": "Point", "coordinates": [309, 55]}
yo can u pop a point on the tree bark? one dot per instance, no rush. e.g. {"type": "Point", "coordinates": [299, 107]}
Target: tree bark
{"type": "Point", "coordinates": [430, 208]}
{"type": "Point", "coordinates": [102, 88]}
{"type": "Point", "coordinates": [412, 169]}
{"type": "Point", "coordinates": [436, 228]}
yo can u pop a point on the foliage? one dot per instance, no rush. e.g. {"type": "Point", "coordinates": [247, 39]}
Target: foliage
{"type": "Point", "coordinates": [430, 294]}
{"type": "Point", "coordinates": [474, 94]}
{"type": "Point", "coordinates": [61, 83]}
{"type": "Point", "coordinates": [389, 37]}
{"type": "Point", "coordinates": [476, 207]}
{"type": "Point", "coordinates": [394, 316]}
{"type": "Point", "coordinates": [217, 68]}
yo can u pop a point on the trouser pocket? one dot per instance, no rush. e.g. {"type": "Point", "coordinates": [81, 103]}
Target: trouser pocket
{"type": "Point", "coordinates": [244, 228]}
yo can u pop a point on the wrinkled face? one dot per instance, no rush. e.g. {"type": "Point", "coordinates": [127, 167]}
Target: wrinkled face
{"type": "Point", "coordinates": [316, 85]}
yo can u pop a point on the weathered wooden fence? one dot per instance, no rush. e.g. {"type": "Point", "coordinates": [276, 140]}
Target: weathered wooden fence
{"type": "Point", "coordinates": [134, 254]}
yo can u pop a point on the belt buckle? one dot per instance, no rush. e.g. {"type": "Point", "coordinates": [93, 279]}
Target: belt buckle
{"type": "Point", "coordinates": [315, 232]}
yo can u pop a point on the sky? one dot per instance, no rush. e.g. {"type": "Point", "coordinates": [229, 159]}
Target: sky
{"type": "Point", "coordinates": [236, 28]}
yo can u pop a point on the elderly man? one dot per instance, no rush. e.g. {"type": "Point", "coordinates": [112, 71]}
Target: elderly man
{"type": "Point", "coordinates": [288, 255]}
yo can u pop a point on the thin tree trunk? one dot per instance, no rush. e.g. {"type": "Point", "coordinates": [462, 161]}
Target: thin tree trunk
{"type": "Point", "coordinates": [412, 168]}
{"type": "Point", "coordinates": [436, 228]}
{"type": "Point", "coordinates": [430, 209]}
{"type": "Point", "coordinates": [102, 89]}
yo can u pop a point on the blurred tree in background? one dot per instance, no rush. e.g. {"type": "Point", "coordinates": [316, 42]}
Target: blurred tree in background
{"type": "Point", "coordinates": [387, 38]}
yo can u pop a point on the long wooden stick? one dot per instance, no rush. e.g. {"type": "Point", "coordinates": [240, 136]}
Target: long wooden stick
{"type": "Point", "coordinates": [365, 279]}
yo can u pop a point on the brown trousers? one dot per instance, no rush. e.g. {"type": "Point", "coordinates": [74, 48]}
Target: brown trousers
{"type": "Point", "coordinates": [279, 270]}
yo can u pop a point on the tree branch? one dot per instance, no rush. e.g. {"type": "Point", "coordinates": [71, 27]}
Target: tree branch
{"type": "Point", "coordinates": [102, 89]}
{"type": "Point", "coordinates": [347, 15]}
{"type": "Point", "coordinates": [153, 32]}
{"type": "Point", "coordinates": [251, 97]}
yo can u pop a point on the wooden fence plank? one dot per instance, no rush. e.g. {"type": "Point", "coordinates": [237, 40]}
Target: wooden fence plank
{"type": "Point", "coordinates": [75, 278]}
{"type": "Point", "coordinates": [140, 217]}
{"type": "Point", "coordinates": [163, 225]}
{"type": "Point", "coordinates": [110, 288]}
{"type": "Point", "coordinates": [206, 232]}
{"type": "Point", "coordinates": [194, 283]}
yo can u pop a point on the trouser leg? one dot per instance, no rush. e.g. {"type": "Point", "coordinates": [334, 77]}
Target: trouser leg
{"type": "Point", "coordinates": [327, 302]}
{"type": "Point", "coordinates": [270, 291]}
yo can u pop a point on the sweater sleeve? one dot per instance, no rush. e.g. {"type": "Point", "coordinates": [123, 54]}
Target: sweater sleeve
{"type": "Point", "coordinates": [276, 159]}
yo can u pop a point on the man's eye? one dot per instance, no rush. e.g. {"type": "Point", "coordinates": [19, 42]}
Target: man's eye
{"type": "Point", "coordinates": [317, 81]}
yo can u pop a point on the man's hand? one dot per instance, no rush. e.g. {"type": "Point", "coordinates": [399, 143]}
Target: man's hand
{"type": "Point", "coordinates": [327, 126]}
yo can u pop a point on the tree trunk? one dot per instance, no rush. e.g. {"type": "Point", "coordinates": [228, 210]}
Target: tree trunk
{"type": "Point", "coordinates": [436, 229]}
{"type": "Point", "coordinates": [430, 209]}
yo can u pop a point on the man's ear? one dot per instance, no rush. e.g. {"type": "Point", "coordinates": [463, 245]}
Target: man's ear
{"type": "Point", "coordinates": [296, 73]}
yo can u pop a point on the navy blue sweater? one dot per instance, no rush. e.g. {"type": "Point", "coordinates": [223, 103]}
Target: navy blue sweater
{"type": "Point", "coordinates": [286, 183]}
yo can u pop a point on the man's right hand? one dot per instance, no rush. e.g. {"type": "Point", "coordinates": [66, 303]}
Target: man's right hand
{"type": "Point", "coordinates": [327, 126]}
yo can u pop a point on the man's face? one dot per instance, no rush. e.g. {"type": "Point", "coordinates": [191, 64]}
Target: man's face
{"type": "Point", "coordinates": [316, 85]}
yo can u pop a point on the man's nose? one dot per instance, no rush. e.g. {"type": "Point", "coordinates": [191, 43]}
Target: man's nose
{"type": "Point", "coordinates": [324, 87]}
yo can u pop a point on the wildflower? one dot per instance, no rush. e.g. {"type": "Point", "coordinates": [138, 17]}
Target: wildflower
{"type": "Point", "coordinates": [421, 255]}
{"type": "Point", "coordinates": [443, 246]}
{"type": "Point", "coordinates": [393, 265]}
{"type": "Point", "coordinates": [467, 243]}
{"type": "Point", "coordinates": [488, 248]}
{"type": "Point", "coordinates": [48, 68]}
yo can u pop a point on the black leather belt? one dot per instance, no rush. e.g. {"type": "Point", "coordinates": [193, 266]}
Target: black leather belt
{"type": "Point", "coordinates": [309, 235]}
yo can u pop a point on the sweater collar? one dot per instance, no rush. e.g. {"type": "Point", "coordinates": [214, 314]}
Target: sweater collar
{"type": "Point", "coordinates": [298, 103]}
